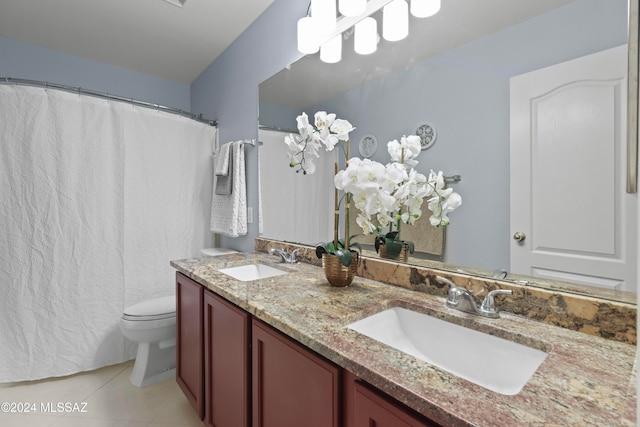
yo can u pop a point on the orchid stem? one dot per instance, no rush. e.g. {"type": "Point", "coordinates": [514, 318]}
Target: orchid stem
{"type": "Point", "coordinates": [347, 198]}
{"type": "Point", "coordinates": [336, 213]}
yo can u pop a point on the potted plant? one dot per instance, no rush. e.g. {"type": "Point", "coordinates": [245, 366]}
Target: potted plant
{"type": "Point", "coordinates": [389, 195]}
{"type": "Point", "coordinates": [326, 132]}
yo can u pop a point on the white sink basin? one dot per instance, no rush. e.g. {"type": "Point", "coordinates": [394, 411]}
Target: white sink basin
{"type": "Point", "coordinates": [248, 272]}
{"type": "Point", "coordinates": [494, 363]}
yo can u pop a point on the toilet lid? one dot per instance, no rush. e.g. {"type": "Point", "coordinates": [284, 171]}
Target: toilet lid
{"type": "Point", "coordinates": [157, 308]}
{"type": "Point", "coordinates": [217, 251]}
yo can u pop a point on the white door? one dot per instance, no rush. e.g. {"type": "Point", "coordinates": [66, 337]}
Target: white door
{"type": "Point", "coordinates": [568, 197]}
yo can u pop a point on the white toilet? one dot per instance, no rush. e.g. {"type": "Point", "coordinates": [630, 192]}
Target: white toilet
{"type": "Point", "coordinates": [152, 324]}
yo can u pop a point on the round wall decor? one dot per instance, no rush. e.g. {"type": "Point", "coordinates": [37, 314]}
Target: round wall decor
{"type": "Point", "coordinates": [368, 146]}
{"type": "Point", "coordinates": [427, 133]}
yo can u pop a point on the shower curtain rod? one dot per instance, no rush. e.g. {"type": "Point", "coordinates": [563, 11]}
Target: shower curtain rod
{"type": "Point", "coordinates": [96, 94]}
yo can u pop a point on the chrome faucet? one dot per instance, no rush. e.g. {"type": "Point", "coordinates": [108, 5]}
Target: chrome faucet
{"type": "Point", "coordinates": [464, 300]}
{"type": "Point", "coordinates": [500, 273]}
{"type": "Point", "coordinates": [288, 258]}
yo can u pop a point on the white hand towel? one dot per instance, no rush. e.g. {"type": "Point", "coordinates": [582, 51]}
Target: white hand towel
{"type": "Point", "coordinates": [224, 183]}
{"type": "Point", "coordinates": [221, 167]}
{"type": "Point", "coordinates": [229, 212]}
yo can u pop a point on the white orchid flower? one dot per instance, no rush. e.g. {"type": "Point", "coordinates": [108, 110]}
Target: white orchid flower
{"type": "Point", "coordinates": [369, 171]}
{"type": "Point", "coordinates": [330, 141]}
{"type": "Point", "coordinates": [395, 150]}
{"type": "Point", "coordinates": [395, 174]}
{"type": "Point", "coordinates": [405, 151]}
{"type": "Point", "coordinates": [442, 201]}
{"type": "Point", "coordinates": [384, 219]}
{"type": "Point", "coordinates": [345, 179]}
{"type": "Point", "coordinates": [341, 129]}
{"type": "Point", "coordinates": [410, 217]}
{"type": "Point", "coordinates": [365, 223]}
{"type": "Point", "coordinates": [302, 121]}
{"type": "Point", "coordinates": [380, 201]}
{"type": "Point", "coordinates": [411, 145]}
{"type": "Point", "coordinates": [436, 181]}
{"type": "Point", "coordinates": [323, 120]}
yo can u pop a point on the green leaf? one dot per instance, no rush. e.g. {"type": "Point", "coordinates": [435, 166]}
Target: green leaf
{"type": "Point", "coordinates": [323, 249]}
{"type": "Point", "coordinates": [392, 235]}
{"type": "Point", "coordinates": [344, 256]}
{"type": "Point", "coordinates": [379, 242]}
{"type": "Point", "coordinates": [357, 246]}
{"type": "Point", "coordinates": [411, 246]}
{"type": "Point", "coordinates": [393, 247]}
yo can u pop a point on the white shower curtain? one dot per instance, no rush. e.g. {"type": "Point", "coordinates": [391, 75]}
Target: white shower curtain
{"type": "Point", "coordinates": [96, 197]}
{"type": "Point", "coordinates": [304, 212]}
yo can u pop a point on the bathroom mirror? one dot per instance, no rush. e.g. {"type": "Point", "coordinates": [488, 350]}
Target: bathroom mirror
{"type": "Point", "coordinates": [466, 55]}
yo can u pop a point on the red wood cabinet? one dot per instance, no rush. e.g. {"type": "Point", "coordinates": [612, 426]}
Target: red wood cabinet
{"type": "Point", "coordinates": [189, 340]}
{"type": "Point", "coordinates": [292, 386]}
{"type": "Point", "coordinates": [365, 407]}
{"type": "Point", "coordinates": [226, 363]}
{"type": "Point", "coordinates": [238, 371]}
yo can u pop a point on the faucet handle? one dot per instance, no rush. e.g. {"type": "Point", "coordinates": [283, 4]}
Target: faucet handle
{"type": "Point", "coordinates": [287, 258]}
{"type": "Point", "coordinates": [455, 291]}
{"type": "Point", "coordinates": [489, 303]}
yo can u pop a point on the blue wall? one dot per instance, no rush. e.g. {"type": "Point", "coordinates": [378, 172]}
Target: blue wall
{"type": "Point", "coordinates": [465, 93]}
{"type": "Point", "coordinates": [228, 89]}
{"type": "Point", "coordinates": [26, 61]}
{"type": "Point", "coordinates": [475, 127]}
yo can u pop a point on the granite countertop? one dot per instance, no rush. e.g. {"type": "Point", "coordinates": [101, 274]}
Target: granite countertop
{"type": "Point", "coordinates": [585, 380]}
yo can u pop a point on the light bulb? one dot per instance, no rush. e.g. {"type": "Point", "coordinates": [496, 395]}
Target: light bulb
{"type": "Point", "coordinates": [331, 51]}
{"type": "Point", "coordinates": [352, 8]}
{"type": "Point", "coordinates": [307, 36]}
{"type": "Point", "coordinates": [365, 40]}
{"type": "Point", "coordinates": [324, 14]}
{"type": "Point", "coordinates": [395, 20]}
{"type": "Point", "coordinates": [424, 8]}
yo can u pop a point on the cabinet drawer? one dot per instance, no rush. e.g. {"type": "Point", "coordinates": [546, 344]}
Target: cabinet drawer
{"type": "Point", "coordinates": [365, 406]}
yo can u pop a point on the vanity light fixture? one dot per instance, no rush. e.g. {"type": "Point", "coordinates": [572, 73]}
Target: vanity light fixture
{"type": "Point", "coordinates": [320, 26]}
{"type": "Point", "coordinates": [331, 51]}
{"type": "Point", "coordinates": [365, 40]}
{"type": "Point", "coordinates": [307, 36]}
{"type": "Point", "coordinates": [395, 20]}
{"type": "Point", "coordinates": [424, 8]}
{"type": "Point", "coordinates": [352, 7]}
{"type": "Point", "coordinates": [324, 13]}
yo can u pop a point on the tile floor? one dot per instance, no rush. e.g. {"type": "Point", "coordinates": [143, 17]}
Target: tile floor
{"type": "Point", "coordinates": [111, 401]}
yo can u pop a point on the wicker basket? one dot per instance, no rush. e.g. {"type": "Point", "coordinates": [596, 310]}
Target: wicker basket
{"type": "Point", "coordinates": [337, 274]}
{"type": "Point", "coordinates": [402, 256]}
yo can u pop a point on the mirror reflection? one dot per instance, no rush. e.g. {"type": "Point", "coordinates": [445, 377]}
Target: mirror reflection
{"type": "Point", "coordinates": [456, 72]}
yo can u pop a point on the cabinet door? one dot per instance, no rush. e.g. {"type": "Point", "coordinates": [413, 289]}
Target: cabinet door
{"type": "Point", "coordinates": [227, 363]}
{"type": "Point", "coordinates": [365, 407]}
{"type": "Point", "coordinates": [189, 367]}
{"type": "Point", "coordinates": [291, 385]}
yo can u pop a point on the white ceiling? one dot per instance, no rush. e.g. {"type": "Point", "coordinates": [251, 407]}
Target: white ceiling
{"type": "Point", "coordinates": [150, 36]}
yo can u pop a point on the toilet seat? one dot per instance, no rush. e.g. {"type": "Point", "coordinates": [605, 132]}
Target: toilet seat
{"type": "Point", "coordinates": [154, 309]}
{"type": "Point", "coordinates": [217, 251]}
{"type": "Point", "coordinates": [152, 325]}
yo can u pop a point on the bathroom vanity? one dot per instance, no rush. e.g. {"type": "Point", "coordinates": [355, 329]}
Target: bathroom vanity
{"type": "Point", "coordinates": [277, 351]}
